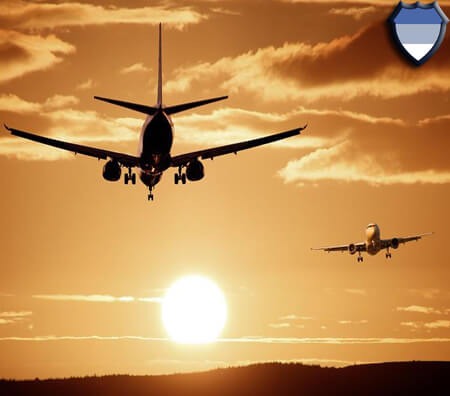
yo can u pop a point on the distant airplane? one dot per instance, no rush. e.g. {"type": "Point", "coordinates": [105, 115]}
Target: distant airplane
{"type": "Point", "coordinates": [373, 243]}
{"type": "Point", "coordinates": [155, 143]}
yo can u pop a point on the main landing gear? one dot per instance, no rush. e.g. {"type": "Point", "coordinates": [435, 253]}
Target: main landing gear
{"type": "Point", "coordinates": [180, 176]}
{"type": "Point", "coordinates": [130, 176]}
{"type": "Point", "coordinates": [388, 254]}
{"type": "Point", "coordinates": [360, 258]}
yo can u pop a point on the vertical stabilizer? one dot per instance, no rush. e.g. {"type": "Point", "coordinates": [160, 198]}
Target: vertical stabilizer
{"type": "Point", "coordinates": [159, 71]}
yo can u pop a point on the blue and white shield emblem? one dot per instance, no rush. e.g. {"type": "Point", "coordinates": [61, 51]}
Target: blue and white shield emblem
{"type": "Point", "coordinates": [418, 29]}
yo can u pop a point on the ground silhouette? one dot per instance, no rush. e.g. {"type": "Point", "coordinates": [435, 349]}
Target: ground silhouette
{"type": "Point", "coordinates": [396, 378]}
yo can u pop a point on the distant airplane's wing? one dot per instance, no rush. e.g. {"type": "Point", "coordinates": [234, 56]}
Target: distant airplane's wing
{"type": "Point", "coordinates": [124, 159]}
{"type": "Point", "coordinates": [359, 247]}
{"type": "Point", "coordinates": [183, 159]}
{"type": "Point", "coordinates": [394, 242]}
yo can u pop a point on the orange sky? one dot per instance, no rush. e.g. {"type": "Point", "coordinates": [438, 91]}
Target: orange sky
{"type": "Point", "coordinates": [376, 150]}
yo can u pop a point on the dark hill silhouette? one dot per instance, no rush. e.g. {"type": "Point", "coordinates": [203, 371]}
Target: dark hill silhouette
{"type": "Point", "coordinates": [396, 378]}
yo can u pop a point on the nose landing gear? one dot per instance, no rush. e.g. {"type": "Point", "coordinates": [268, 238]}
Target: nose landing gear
{"type": "Point", "coordinates": [360, 258]}
{"type": "Point", "coordinates": [150, 194]}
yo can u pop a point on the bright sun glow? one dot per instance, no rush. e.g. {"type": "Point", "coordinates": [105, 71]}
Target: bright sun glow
{"type": "Point", "coordinates": [194, 310]}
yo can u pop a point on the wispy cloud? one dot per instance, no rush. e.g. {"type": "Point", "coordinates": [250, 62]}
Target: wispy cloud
{"type": "Point", "coordinates": [295, 317]}
{"type": "Point", "coordinates": [334, 163]}
{"type": "Point", "coordinates": [347, 322]}
{"type": "Point", "coordinates": [354, 12]}
{"type": "Point", "coordinates": [95, 298]}
{"type": "Point", "coordinates": [88, 84]}
{"type": "Point", "coordinates": [10, 317]}
{"type": "Point", "coordinates": [13, 103]}
{"type": "Point", "coordinates": [300, 70]}
{"type": "Point", "coordinates": [135, 67]}
{"type": "Point", "coordinates": [25, 53]}
{"type": "Point", "coordinates": [42, 15]}
{"type": "Point", "coordinates": [282, 325]}
{"type": "Point", "coordinates": [428, 293]}
{"type": "Point", "coordinates": [438, 324]}
{"type": "Point", "coordinates": [259, 340]}
{"type": "Point", "coordinates": [420, 309]}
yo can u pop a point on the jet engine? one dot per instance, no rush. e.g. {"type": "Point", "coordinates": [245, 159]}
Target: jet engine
{"type": "Point", "coordinates": [394, 243]}
{"type": "Point", "coordinates": [352, 248]}
{"type": "Point", "coordinates": [112, 171]}
{"type": "Point", "coordinates": [195, 170]}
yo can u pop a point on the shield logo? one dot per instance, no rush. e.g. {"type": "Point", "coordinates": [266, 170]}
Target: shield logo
{"type": "Point", "coordinates": [418, 29]}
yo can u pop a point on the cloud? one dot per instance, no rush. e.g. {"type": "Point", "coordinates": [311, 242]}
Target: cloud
{"type": "Point", "coordinates": [12, 317]}
{"type": "Point", "coordinates": [428, 293]}
{"type": "Point", "coordinates": [42, 15]}
{"type": "Point", "coordinates": [340, 163]}
{"type": "Point", "coordinates": [15, 104]}
{"type": "Point", "coordinates": [25, 53]}
{"type": "Point", "coordinates": [345, 322]}
{"type": "Point", "coordinates": [135, 67]}
{"type": "Point", "coordinates": [65, 123]}
{"type": "Point", "coordinates": [94, 298]}
{"type": "Point", "coordinates": [438, 324]}
{"type": "Point", "coordinates": [15, 314]}
{"type": "Point", "coordinates": [295, 317]}
{"type": "Point", "coordinates": [88, 84]}
{"type": "Point", "coordinates": [301, 70]}
{"type": "Point", "coordinates": [258, 340]}
{"type": "Point", "coordinates": [280, 325]}
{"type": "Point", "coordinates": [224, 11]}
{"type": "Point", "coordinates": [354, 12]}
{"type": "Point", "coordinates": [388, 3]}
{"type": "Point", "coordinates": [228, 125]}
{"type": "Point", "coordinates": [420, 309]}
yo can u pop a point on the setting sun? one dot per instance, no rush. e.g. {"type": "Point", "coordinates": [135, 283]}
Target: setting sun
{"type": "Point", "coordinates": [194, 310]}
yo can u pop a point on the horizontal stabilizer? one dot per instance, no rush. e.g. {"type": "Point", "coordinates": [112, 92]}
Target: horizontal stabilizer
{"type": "Point", "coordinates": [187, 106]}
{"type": "Point", "coordinates": [132, 106]}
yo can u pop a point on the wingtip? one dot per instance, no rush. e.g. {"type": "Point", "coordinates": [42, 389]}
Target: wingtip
{"type": "Point", "coordinates": [6, 127]}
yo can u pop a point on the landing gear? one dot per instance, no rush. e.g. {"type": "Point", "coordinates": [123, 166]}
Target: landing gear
{"type": "Point", "coordinates": [180, 176]}
{"type": "Point", "coordinates": [388, 255]}
{"type": "Point", "coordinates": [150, 194]}
{"type": "Point", "coordinates": [360, 258]}
{"type": "Point", "coordinates": [130, 176]}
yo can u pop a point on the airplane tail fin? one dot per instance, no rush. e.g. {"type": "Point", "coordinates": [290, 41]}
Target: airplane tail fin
{"type": "Point", "coordinates": [152, 110]}
{"type": "Point", "coordinates": [159, 100]}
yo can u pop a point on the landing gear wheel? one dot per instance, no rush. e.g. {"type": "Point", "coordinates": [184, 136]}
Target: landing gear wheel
{"type": "Point", "coordinates": [176, 178]}
{"type": "Point", "coordinates": [150, 197]}
{"type": "Point", "coordinates": [126, 178]}
{"type": "Point", "coordinates": [183, 178]}
{"type": "Point", "coordinates": [133, 178]}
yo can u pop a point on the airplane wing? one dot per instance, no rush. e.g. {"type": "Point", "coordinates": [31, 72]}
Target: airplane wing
{"type": "Point", "coordinates": [396, 241]}
{"type": "Point", "coordinates": [359, 247]}
{"type": "Point", "coordinates": [124, 159]}
{"type": "Point", "coordinates": [183, 159]}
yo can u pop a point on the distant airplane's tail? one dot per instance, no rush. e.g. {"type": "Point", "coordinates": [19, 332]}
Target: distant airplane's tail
{"type": "Point", "coordinates": [159, 100]}
{"type": "Point", "coordinates": [150, 110]}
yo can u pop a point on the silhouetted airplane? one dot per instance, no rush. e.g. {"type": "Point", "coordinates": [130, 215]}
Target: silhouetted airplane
{"type": "Point", "coordinates": [373, 243]}
{"type": "Point", "coordinates": [155, 143]}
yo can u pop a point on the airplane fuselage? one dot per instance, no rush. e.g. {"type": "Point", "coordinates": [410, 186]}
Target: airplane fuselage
{"type": "Point", "coordinates": [155, 144]}
{"type": "Point", "coordinates": [373, 241]}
